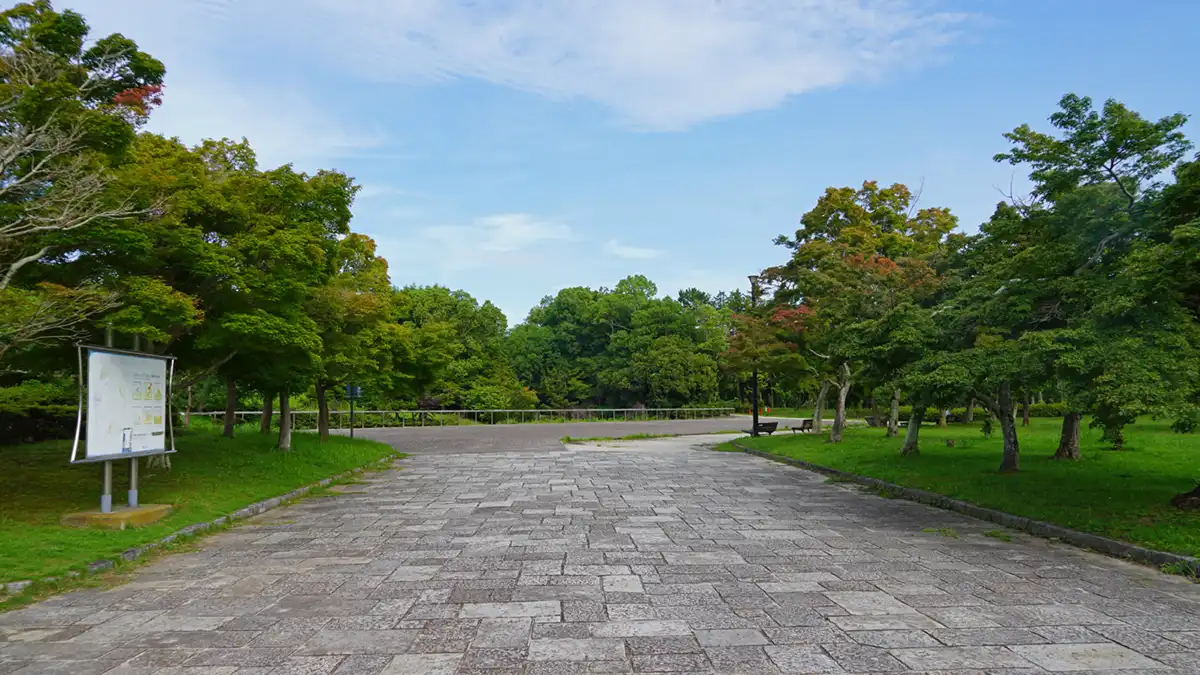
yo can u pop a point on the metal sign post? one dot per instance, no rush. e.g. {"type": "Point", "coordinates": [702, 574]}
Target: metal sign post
{"type": "Point", "coordinates": [127, 409]}
{"type": "Point", "coordinates": [353, 392]}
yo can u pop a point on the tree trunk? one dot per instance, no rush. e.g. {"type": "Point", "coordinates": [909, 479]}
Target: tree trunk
{"type": "Point", "coordinates": [873, 406]}
{"type": "Point", "coordinates": [187, 411]}
{"type": "Point", "coordinates": [839, 416]}
{"type": "Point", "coordinates": [942, 413]}
{"type": "Point", "coordinates": [322, 411]}
{"type": "Point", "coordinates": [971, 410]}
{"type": "Point", "coordinates": [268, 411]}
{"type": "Point", "coordinates": [1068, 443]}
{"type": "Point", "coordinates": [285, 420]}
{"type": "Point", "coordinates": [893, 424]}
{"type": "Point", "coordinates": [912, 435]}
{"type": "Point", "coordinates": [230, 405]}
{"type": "Point", "coordinates": [1025, 403]}
{"type": "Point", "coordinates": [1011, 461]}
{"type": "Point", "coordinates": [819, 409]}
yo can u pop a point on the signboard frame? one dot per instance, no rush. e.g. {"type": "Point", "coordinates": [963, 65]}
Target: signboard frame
{"type": "Point", "coordinates": [169, 447]}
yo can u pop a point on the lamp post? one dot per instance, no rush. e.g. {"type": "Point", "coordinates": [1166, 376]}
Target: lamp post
{"type": "Point", "coordinates": [754, 386]}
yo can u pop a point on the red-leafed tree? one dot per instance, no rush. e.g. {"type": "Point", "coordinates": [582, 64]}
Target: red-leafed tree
{"type": "Point", "coordinates": [858, 255]}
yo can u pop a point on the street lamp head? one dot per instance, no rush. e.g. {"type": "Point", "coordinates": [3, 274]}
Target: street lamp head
{"type": "Point", "coordinates": [754, 280]}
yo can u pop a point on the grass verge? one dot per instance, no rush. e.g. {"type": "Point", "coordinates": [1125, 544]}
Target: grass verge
{"type": "Point", "coordinates": [1118, 494]}
{"type": "Point", "coordinates": [211, 476]}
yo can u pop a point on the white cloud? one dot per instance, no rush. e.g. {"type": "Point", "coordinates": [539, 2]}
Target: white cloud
{"type": "Point", "coordinates": [282, 125]}
{"type": "Point", "coordinates": [210, 95]}
{"type": "Point", "coordinates": [614, 247]}
{"type": "Point", "coordinates": [375, 190]}
{"type": "Point", "coordinates": [493, 242]}
{"type": "Point", "coordinates": [663, 64]}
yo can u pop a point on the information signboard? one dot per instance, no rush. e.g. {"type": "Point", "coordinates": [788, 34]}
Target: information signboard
{"type": "Point", "coordinates": [127, 410]}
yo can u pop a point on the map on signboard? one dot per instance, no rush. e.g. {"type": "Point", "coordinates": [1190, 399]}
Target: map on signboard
{"type": "Point", "coordinates": [125, 405]}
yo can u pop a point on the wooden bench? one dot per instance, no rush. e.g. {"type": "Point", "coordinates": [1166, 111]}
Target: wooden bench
{"type": "Point", "coordinates": [806, 425]}
{"type": "Point", "coordinates": [767, 428]}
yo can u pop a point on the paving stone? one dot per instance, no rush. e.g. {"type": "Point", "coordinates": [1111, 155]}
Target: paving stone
{"type": "Point", "coordinates": [575, 610]}
{"type": "Point", "coordinates": [869, 603]}
{"type": "Point", "coordinates": [423, 664]}
{"type": "Point", "coordinates": [1067, 634]}
{"type": "Point", "coordinates": [567, 649]}
{"type": "Point", "coordinates": [623, 584]}
{"type": "Point", "coordinates": [359, 642]}
{"type": "Point", "coordinates": [802, 659]}
{"type": "Point", "coordinates": [628, 629]}
{"type": "Point", "coordinates": [893, 639]}
{"type": "Point", "coordinates": [502, 633]}
{"type": "Point", "coordinates": [303, 665]}
{"type": "Point", "coordinates": [239, 657]}
{"type": "Point", "coordinates": [955, 658]}
{"type": "Point", "coordinates": [961, 637]}
{"type": "Point", "coordinates": [497, 610]}
{"type": "Point", "coordinates": [742, 660]}
{"type": "Point", "coordinates": [1102, 656]}
{"type": "Point", "coordinates": [494, 658]}
{"type": "Point", "coordinates": [533, 560]}
{"type": "Point", "coordinates": [662, 645]}
{"type": "Point", "coordinates": [362, 665]}
{"type": "Point", "coordinates": [731, 637]}
{"type": "Point", "coordinates": [860, 658]}
{"type": "Point", "coordinates": [670, 663]}
{"type": "Point", "coordinates": [1139, 640]}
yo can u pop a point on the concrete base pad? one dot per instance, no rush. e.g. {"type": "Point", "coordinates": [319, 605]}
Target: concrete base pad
{"type": "Point", "coordinates": [120, 518]}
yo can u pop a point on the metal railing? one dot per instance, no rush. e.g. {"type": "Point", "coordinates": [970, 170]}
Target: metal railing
{"type": "Point", "coordinates": [387, 419]}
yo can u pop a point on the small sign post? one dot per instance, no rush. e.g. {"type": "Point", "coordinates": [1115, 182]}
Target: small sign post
{"type": "Point", "coordinates": [353, 392]}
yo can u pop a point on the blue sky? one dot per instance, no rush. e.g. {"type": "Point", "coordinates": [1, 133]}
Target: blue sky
{"type": "Point", "coordinates": [515, 147]}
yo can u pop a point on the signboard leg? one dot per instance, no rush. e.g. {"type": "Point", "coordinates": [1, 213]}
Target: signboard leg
{"type": "Point", "coordinates": [106, 493]}
{"type": "Point", "coordinates": [133, 483]}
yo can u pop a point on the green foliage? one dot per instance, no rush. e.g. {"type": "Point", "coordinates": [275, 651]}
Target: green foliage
{"type": "Point", "coordinates": [621, 347]}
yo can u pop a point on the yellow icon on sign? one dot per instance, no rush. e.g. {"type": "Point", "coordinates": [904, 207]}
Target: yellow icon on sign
{"type": "Point", "coordinates": [149, 391]}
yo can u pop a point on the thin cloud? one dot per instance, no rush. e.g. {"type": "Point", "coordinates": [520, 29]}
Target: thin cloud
{"type": "Point", "coordinates": [614, 247]}
{"type": "Point", "coordinates": [495, 241]}
{"type": "Point", "coordinates": [660, 64]}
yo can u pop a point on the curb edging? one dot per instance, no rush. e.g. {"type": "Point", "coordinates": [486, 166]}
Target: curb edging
{"type": "Point", "coordinates": [1038, 528]}
{"type": "Point", "coordinates": [14, 587]}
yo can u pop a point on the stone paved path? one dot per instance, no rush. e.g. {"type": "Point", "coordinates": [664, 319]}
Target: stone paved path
{"type": "Point", "coordinates": [648, 557]}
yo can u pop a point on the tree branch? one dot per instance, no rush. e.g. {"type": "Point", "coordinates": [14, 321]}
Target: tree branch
{"type": "Point", "coordinates": [13, 267]}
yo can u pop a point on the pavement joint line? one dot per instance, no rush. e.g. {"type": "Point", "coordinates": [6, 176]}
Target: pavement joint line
{"type": "Point", "coordinates": [1037, 528]}
{"type": "Point", "coordinates": [129, 555]}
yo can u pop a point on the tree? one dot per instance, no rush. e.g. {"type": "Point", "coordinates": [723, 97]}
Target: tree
{"type": "Point", "coordinates": [1059, 259]}
{"type": "Point", "coordinates": [67, 116]}
{"type": "Point", "coordinates": [858, 254]}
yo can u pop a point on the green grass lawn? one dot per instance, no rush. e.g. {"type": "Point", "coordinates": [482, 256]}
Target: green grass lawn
{"type": "Point", "coordinates": [1122, 495]}
{"type": "Point", "coordinates": [211, 476]}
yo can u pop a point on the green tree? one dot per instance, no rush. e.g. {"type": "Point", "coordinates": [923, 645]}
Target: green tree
{"type": "Point", "coordinates": [858, 254]}
{"type": "Point", "coordinates": [68, 113]}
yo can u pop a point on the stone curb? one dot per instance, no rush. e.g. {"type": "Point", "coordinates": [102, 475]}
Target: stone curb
{"type": "Point", "coordinates": [14, 587]}
{"type": "Point", "coordinates": [1112, 547]}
